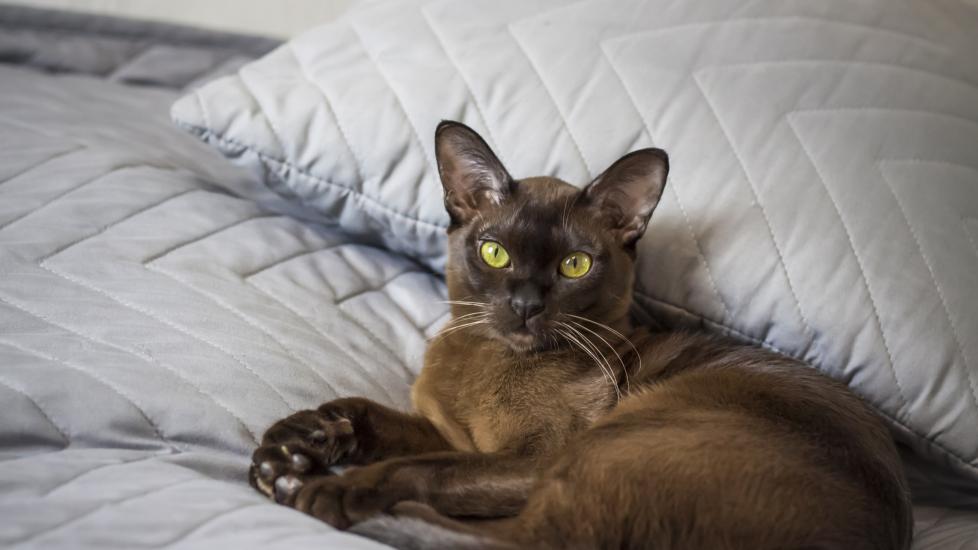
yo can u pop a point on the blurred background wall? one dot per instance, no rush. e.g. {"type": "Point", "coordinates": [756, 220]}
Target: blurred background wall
{"type": "Point", "coordinates": [277, 18]}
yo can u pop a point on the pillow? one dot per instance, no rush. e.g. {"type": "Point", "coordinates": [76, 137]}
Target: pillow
{"type": "Point", "coordinates": [824, 193]}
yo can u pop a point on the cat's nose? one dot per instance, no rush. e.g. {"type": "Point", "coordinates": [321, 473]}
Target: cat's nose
{"type": "Point", "coordinates": [527, 301]}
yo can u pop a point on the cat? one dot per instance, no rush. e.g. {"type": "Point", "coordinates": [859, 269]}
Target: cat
{"type": "Point", "coordinates": [545, 419]}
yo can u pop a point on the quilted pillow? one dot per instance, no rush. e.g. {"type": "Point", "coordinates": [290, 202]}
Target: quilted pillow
{"type": "Point", "coordinates": [824, 194]}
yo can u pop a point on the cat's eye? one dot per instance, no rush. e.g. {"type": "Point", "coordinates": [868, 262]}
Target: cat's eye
{"type": "Point", "coordinates": [575, 265]}
{"type": "Point", "coordinates": [494, 254]}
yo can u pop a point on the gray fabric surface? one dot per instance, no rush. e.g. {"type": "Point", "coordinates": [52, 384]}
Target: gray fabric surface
{"type": "Point", "coordinates": [159, 308]}
{"type": "Point", "coordinates": [824, 185]}
{"type": "Point", "coordinates": [123, 50]}
{"type": "Point", "coordinates": [153, 324]}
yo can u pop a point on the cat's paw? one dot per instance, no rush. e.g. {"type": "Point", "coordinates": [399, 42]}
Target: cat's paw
{"type": "Point", "coordinates": [339, 500]}
{"type": "Point", "coordinates": [327, 429]}
{"type": "Point", "coordinates": [299, 447]}
{"type": "Point", "coordinates": [279, 471]}
{"type": "Point", "coordinates": [343, 501]}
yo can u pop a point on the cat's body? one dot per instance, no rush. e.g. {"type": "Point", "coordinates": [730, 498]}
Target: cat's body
{"type": "Point", "coordinates": [716, 445]}
{"type": "Point", "coordinates": [531, 404]}
{"type": "Point", "coordinates": [543, 410]}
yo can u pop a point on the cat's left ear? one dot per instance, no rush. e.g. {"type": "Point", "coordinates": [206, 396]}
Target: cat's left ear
{"type": "Point", "coordinates": [628, 191]}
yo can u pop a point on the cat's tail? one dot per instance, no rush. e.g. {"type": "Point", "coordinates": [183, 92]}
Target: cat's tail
{"type": "Point", "coordinates": [414, 526]}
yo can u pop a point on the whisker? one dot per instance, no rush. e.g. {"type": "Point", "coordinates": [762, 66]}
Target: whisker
{"type": "Point", "coordinates": [484, 317]}
{"type": "Point", "coordinates": [479, 313]}
{"type": "Point", "coordinates": [616, 333]}
{"type": "Point", "coordinates": [605, 373]}
{"type": "Point", "coordinates": [455, 329]}
{"type": "Point", "coordinates": [624, 369]}
{"type": "Point", "coordinates": [480, 308]}
{"type": "Point", "coordinates": [474, 313]}
{"type": "Point", "coordinates": [576, 338]}
{"type": "Point", "coordinates": [563, 216]}
{"type": "Point", "coordinates": [596, 352]}
{"type": "Point", "coordinates": [575, 342]}
{"type": "Point", "coordinates": [464, 303]}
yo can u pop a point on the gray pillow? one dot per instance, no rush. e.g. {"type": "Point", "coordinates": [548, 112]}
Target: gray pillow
{"type": "Point", "coordinates": [823, 199]}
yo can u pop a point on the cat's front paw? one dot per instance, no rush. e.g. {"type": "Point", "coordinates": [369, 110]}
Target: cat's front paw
{"type": "Point", "coordinates": [326, 429]}
{"type": "Point", "coordinates": [279, 471]}
{"type": "Point", "coordinates": [343, 501]}
{"type": "Point", "coordinates": [299, 447]}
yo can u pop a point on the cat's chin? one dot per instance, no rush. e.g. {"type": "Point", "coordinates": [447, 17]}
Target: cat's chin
{"type": "Point", "coordinates": [523, 340]}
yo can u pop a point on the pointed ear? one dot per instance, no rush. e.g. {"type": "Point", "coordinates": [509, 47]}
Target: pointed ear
{"type": "Point", "coordinates": [470, 172]}
{"type": "Point", "coordinates": [628, 192]}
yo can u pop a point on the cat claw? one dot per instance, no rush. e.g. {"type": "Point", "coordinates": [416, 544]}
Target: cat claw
{"type": "Point", "coordinates": [286, 487]}
{"type": "Point", "coordinates": [342, 427]}
{"type": "Point", "coordinates": [301, 463]}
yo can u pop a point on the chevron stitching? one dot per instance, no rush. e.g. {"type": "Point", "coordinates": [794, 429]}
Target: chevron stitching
{"type": "Point", "coordinates": [248, 321]}
{"type": "Point", "coordinates": [862, 270]}
{"type": "Point", "coordinates": [340, 126]}
{"type": "Point", "coordinates": [153, 425]}
{"type": "Point", "coordinates": [761, 209]}
{"type": "Point", "coordinates": [369, 375]}
{"type": "Point", "coordinates": [47, 416]}
{"type": "Point", "coordinates": [937, 286]}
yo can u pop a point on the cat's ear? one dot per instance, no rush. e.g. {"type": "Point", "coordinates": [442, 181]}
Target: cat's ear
{"type": "Point", "coordinates": [470, 172]}
{"type": "Point", "coordinates": [628, 192]}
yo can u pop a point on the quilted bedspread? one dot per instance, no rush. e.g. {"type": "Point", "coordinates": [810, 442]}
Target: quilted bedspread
{"type": "Point", "coordinates": [158, 310]}
{"type": "Point", "coordinates": [152, 324]}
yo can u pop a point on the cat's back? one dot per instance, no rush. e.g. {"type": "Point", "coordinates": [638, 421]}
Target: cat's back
{"type": "Point", "coordinates": [689, 370]}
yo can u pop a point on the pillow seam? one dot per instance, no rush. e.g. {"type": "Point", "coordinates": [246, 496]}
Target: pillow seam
{"type": "Point", "coordinates": [206, 134]}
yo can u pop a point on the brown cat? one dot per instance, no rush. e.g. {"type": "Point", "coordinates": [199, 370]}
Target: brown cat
{"type": "Point", "coordinates": [536, 412]}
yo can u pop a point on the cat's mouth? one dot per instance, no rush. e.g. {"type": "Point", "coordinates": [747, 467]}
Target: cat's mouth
{"type": "Point", "coordinates": [523, 340]}
{"type": "Point", "coordinates": [523, 333]}
{"type": "Point", "coordinates": [527, 336]}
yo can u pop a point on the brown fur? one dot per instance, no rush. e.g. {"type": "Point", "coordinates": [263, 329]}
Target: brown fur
{"type": "Point", "coordinates": [713, 444]}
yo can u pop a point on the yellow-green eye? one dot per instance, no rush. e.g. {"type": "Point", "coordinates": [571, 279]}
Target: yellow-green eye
{"type": "Point", "coordinates": [575, 265]}
{"type": "Point", "coordinates": [494, 254]}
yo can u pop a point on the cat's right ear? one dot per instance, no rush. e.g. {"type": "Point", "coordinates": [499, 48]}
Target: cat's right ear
{"type": "Point", "coordinates": [472, 175]}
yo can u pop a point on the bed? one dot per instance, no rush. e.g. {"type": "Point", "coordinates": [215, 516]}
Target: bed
{"type": "Point", "coordinates": [159, 307]}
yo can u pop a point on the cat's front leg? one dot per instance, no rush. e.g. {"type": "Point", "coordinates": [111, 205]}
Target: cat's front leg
{"type": "Point", "coordinates": [453, 483]}
{"type": "Point", "coordinates": [341, 432]}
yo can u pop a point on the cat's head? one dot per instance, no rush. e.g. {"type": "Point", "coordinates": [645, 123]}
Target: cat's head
{"type": "Point", "coordinates": [538, 252]}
